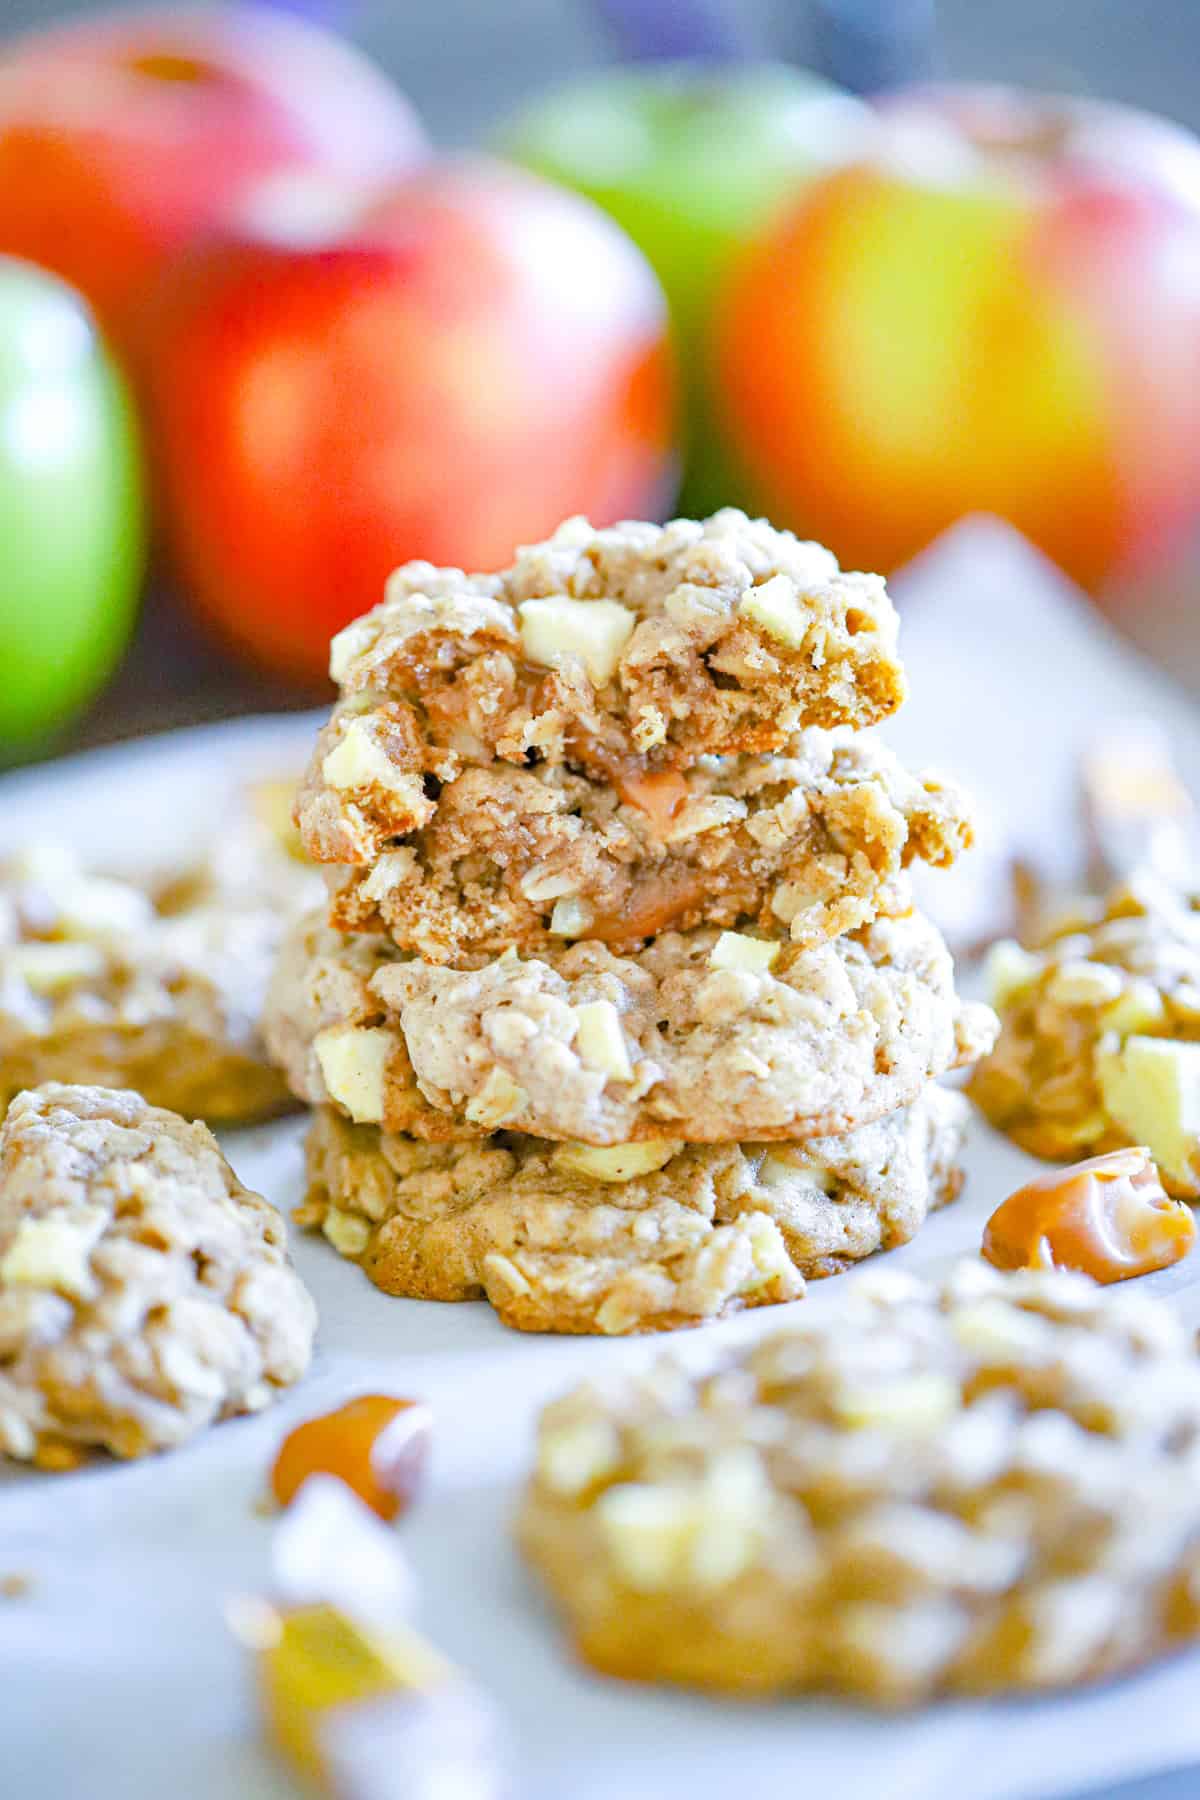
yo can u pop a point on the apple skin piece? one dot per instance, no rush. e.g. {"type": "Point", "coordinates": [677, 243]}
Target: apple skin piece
{"type": "Point", "coordinates": [473, 358]}
{"type": "Point", "coordinates": [71, 512]}
{"type": "Point", "coordinates": [690, 160]}
{"type": "Point", "coordinates": [124, 136]}
{"type": "Point", "coordinates": [998, 311]}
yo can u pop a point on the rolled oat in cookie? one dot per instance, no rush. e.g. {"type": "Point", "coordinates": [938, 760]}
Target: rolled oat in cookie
{"type": "Point", "coordinates": [816, 841]}
{"type": "Point", "coordinates": [640, 1237]}
{"type": "Point", "coordinates": [705, 1036]}
{"type": "Point", "coordinates": [1100, 1035]}
{"type": "Point", "coordinates": [156, 985]}
{"type": "Point", "coordinates": [619, 652]}
{"type": "Point", "coordinates": [144, 1292]}
{"type": "Point", "coordinates": [985, 1486]}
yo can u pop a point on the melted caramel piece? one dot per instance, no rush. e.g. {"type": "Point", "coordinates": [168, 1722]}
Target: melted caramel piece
{"type": "Point", "coordinates": [1107, 1217]}
{"type": "Point", "coordinates": [659, 796]}
{"type": "Point", "coordinates": [377, 1445]}
{"type": "Point", "coordinates": [652, 906]}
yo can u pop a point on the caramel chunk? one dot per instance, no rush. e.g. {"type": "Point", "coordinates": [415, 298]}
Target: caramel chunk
{"type": "Point", "coordinates": [659, 795]}
{"type": "Point", "coordinates": [377, 1445]}
{"type": "Point", "coordinates": [1108, 1217]}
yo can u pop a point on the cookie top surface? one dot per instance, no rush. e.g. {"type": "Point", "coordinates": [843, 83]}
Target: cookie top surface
{"type": "Point", "coordinates": [1100, 1036]}
{"type": "Point", "coordinates": [144, 1292]}
{"type": "Point", "coordinates": [703, 1036]}
{"type": "Point", "coordinates": [646, 1237]}
{"type": "Point", "coordinates": [990, 1484]}
{"type": "Point", "coordinates": [815, 841]}
{"type": "Point", "coordinates": [618, 651]}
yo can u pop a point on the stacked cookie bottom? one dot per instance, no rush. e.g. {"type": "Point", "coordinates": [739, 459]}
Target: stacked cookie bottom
{"type": "Point", "coordinates": [554, 1247]}
{"type": "Point", "coordinates": [620, 1014]}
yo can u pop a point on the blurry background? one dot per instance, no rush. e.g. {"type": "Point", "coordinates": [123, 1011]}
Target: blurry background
{"type": "Point", "coordinates": [466, 63]}
{"type": "Point", "coordinates": [1086, 401]}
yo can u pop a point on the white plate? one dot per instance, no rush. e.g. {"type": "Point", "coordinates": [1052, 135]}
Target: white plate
{"type": "Point", "coordinates": [118, 1679]}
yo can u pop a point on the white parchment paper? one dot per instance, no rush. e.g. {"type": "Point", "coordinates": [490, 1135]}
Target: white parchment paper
{"type": "Point", "coordinates": [118, 1679]}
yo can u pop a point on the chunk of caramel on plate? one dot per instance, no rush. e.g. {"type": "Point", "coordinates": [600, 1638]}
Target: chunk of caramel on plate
{"type": "Point", "coordinates": [1108, 1218]}
{"type": "Point", "coordinates": [377, 1444]}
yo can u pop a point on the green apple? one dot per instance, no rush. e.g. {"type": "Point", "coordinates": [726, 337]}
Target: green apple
{"type": "Point", "coordinates": [690, 158]}
{"type": "Point", "coordinates": [71, 517]}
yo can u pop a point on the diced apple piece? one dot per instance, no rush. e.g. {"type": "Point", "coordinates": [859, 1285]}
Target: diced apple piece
{"type": "Point", "coordinates": [734, 950]}
{"type": "Point", "coordinates": [600, 1041]}
{"type": "Point", "coordinates": [497, 1101]}
{"type": "Point", "coordinates": [594, 631]}
{"type": "Point", "coordinates": [353, 1060]}
{"type": "Point", "coordinates": [572, 917]}
{"type": "Point", "coordinates": [775, 606]}
{"type": "Point", "coordinates": [50, 968]}
{"type": "Point", "coordinates": [1084, 983]}
{"type": "Point", "coordinates": [618, 1162]}
{"type": "Point", "coordinates": [1151, 1087]}
{"type": "Point", "coordinates": [359, 761]}
{"type": "Point", "coordinates": [347, 646]}
{"type": "Point", "coordinates": [53, 1253]}
{"type": "Point", "coordinates": [1138, 1009]}
{"type": "Point", "coordinates": [915, 1405]}
{"type": "Point", "coordinates": [1008, 969]}
{"type": "Point", "coordinates": [348, 1232]}
{"type": "Point", "coordinates": [95, 907]}
{"type": "Point", "coordinates": [571, 1458]}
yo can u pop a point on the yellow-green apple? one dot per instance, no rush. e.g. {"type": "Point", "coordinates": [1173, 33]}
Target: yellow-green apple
{"type": "Point", "coordinates": [691, 159]}
{"type": "Point", "coordinates": [70, 507]}
{"type": "Point", "coordinates": [998, 310]}
{"type": "Point", "coordinates": [125, 135]}
{"type": "Point", "coordinates": [473, 357]}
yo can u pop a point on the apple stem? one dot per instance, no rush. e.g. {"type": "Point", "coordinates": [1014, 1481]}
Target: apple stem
{"type": "Point", "coordinates": [656, 30]}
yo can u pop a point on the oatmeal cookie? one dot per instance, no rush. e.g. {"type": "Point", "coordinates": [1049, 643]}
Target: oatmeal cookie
{"type": "Point", "coordinates": [643, 1237]}
{"type": "Point", "coordinates": [330, 1034]}
{"type": "Point", "coordinates": [144, 1292]}
{"type": "Point", "coordinates": [986, 1486]}
{"type": "Point", "coordinates": [622, 651]}
{"type": "Point", "coordinates": [152, 985]}
{"type": "Point", "coordinates": [537, 857]}
{"type": "Point", "coordinates": [706, 1036]}
{"type": "Point", "coordinates": [1100, 1035]}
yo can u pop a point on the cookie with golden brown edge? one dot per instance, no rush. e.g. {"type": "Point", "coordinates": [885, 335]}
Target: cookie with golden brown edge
{"type": "Point", "coordinates": [152, 984]}
{"type": "Point", "coordinates": [1100, 1035]}
{"type": "Point", "coordinates": [985, 1486]}
{"type": "Point", "coordinates": [641, 1237]}
{"type": "Point", "coordinates": [618, 652]}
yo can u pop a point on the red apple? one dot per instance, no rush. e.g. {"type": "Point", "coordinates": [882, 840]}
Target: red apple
{"type": "Point", "coordinates": [1000, 311]}
{"type": "Point", "coordinates": [122, 137]}
{"type": "Point", "coordinates": [478, 355]}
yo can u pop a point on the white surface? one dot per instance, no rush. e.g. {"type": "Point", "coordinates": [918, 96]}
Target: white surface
{"type": "Point", "coordinates": [118, 1680]}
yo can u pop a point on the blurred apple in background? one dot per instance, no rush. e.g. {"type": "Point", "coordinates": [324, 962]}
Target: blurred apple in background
{"type": "Point", "coordinates": [999, 311]}
{"type": "Point", "coordinates": [448, 374]}
{"type": "Point", "coordinates": [691, 159]}
{"type": "Point", "coordinates": [71, 520]}
{"type": "Point", "coordinates": [123, 136]}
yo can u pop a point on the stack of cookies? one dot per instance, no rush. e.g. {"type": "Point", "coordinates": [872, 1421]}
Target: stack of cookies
{"type": "Point", "coordinates": [620, 1013]}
